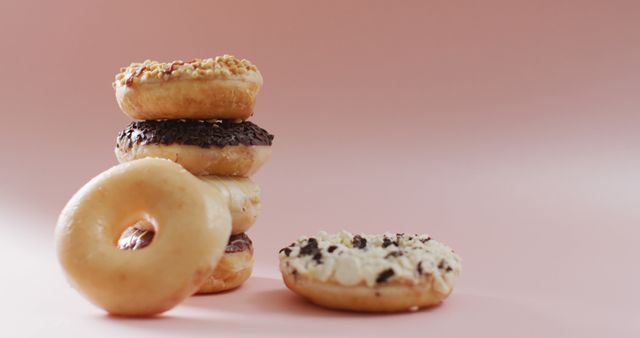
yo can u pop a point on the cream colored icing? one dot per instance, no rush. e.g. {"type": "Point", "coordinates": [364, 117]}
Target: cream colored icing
{"type": "Point", "coordinates": [410, 257]}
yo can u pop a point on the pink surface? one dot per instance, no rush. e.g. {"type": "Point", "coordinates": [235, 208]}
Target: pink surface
{"type": "Point", "coordinates": [506, 129]}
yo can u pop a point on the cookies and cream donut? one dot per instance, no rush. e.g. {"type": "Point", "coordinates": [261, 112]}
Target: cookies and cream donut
{"type": "Point", "coordinates": [216, 88]}
{"type": "Point", "coordinates": [223, 148]}
{"type": "Point", "coordinates": [372, 273]}
{"type": "Point", "coordinates": [191, 221]}
{"type": "Point", "coordinates": [233, 269]}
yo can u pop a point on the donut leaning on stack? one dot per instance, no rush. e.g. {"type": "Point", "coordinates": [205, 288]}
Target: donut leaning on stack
{"type": "Point", "coordinates": [194, 113]}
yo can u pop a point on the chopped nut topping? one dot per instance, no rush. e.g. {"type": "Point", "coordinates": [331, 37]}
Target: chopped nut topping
{"type": "Point", "coordinates": [224, 67]}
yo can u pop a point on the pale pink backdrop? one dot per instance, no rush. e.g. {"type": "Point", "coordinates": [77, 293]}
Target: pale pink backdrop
{"type": "Point", "coordinates": [507, 129]}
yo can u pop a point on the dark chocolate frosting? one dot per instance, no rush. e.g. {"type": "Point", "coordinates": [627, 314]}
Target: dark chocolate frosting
{"type": "Point", "coordinates": [201, 133]}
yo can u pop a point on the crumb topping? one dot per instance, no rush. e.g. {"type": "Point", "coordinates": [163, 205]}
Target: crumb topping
{"type": "Point", "coordinates": [371, 259]}
{"type": "Point", "coordinates": [221, 67]}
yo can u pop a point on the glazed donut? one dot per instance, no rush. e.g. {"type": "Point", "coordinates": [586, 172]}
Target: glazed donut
{"type": "Point", "coordinates": [203, 147]}
{"type": "Point", "coordinates": [220, 88]}
{"type": "Point", "coordinates": [370, 273]}
{"type": "Point", "coordinates": [233, 269]}
{"type": "Point", "coordinates": [242, 197]}
{"type": "Point", "coordinates": [191, 220]}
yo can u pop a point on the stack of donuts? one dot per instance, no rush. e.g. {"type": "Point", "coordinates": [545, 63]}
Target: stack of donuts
{"type": "Point", "coordinates": [195, 114]}
{"type": "Point", "coordinates": [169, 221]}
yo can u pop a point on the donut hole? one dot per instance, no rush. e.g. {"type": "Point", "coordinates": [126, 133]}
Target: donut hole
{"type": "Point", "coordinates": [137, 236]}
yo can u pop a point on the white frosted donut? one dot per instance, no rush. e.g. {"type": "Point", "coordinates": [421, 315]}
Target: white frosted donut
{"type": "Point", "coordinates": [216, 88]}
{"type": "Point", "coordinates": [370, 273]}
{"type": "Point", "coordinates": [192, 225]}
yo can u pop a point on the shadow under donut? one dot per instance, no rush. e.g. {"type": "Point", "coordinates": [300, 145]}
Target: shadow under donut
{"type": "Point", "coordinates": [262, 295]}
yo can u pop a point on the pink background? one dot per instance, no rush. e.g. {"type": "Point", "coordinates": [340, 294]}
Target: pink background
{"type": "Point", "coordinates": [507, 129]}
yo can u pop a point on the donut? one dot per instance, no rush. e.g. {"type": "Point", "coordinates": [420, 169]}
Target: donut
{"type": "Point", "coordinates": [242, 197]}
{"type": "Point", "coordinates": [370, 273]}
{"type": "Point", "coordinates": [192, 223]}
{"type": "Point", "coordinates": [233, 269]}
{"type": "Point", "coordinates": [216, 88]}
{"type": "Point", "coordinates": [203, 147]}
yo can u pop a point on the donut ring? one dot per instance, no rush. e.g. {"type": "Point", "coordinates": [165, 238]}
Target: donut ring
{"type": "Point", "coordinates": [373, 273]}
{"type": "Point", "coordinates": [202, 147]}
{"type": "Point", "coordinates": [192, 224]}
{"type": "Point", "coordinates": [220, 88]}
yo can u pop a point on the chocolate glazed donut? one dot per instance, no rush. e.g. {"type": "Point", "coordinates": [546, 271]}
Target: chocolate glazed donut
{"type": "Point", "coordinates": [203, 147]}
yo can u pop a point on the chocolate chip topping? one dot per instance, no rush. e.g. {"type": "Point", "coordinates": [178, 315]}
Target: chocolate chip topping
{"type": "Point", "coordinates": [359, 242]}
{"type": "Point", "coordinates": [419, 267]}
{"type": "Point", "coordinates": [286, 251]}
{"type": "Point", "coordinates": [387, 242]}
{"type": "Point", "coordinates": [311, 249]}
{"type": "Point", "coordinates": [394, 254]}
{"type": "Point", "coordinates": [425, 240]}
{"type": "Point", "coordinates": [443, 265]}
{"type": "Point", "coordinates": [239, 243]}
{"type": "Point", "coordinates": [201, 133]}
{"type": "Point", "coordinates": [332, 248]}
{"type": "Point", "coordinates": [385, 275]}
{"type": "Point", "coordinates": [318, 257]}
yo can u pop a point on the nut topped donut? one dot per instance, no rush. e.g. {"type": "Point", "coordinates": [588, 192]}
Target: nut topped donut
{"type": "Point", "coordinates": [223, 148]}
{"type": "Point", "coordinates": [224, 87]}
{"type": "Point", "coordinates": [371, 273]}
